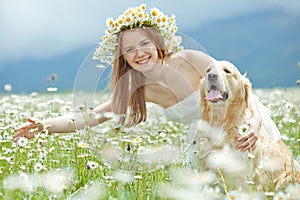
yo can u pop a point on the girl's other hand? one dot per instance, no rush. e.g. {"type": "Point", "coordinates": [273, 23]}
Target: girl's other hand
{"type": "Point", "coordinates": [247, 142]}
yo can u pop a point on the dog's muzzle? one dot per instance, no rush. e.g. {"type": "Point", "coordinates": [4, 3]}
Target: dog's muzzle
{"type": "Point", "coordinates": [214, 93]}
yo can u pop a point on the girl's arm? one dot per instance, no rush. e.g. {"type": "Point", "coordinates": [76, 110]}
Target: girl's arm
{"type": "Point", "coordinates": [66, 123]}
{"type": "Point", "coordinates": [78, 120]}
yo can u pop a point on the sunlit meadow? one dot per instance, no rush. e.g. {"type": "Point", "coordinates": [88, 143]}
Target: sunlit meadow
{"type": "Point", "coordinates": [146, 161]}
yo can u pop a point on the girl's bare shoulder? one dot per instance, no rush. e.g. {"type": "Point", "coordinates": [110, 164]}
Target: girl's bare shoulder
{"type": "Point", "coordinates": [197, 59]}
{"type": "Point", "coordinates": [182, 56]}
{"type": "Point", "coordinates": [191, 54]}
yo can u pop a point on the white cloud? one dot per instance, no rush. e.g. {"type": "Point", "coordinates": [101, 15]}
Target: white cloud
{"type": "Point", "coordinates": [43, 29]}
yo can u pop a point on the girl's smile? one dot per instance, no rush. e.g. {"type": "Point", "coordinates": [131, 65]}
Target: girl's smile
{"type": "Point", "coordinates": [143, 61]}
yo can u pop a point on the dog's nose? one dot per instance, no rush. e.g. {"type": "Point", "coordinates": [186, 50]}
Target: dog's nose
{"type": "Point", "coordinates": [212, 76]}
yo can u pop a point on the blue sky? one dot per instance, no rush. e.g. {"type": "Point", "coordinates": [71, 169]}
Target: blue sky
{"type": "Point", "coordinates": [41, 30]}
{"type": "Point", "coordinates": [29, 27]}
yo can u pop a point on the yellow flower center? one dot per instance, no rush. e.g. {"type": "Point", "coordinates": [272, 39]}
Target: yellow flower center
{"type": "Point", "coordinates": [128, 19]}
{"type": "Point", "coordinates": [105, 37]}
{"type": "Point", "coordinates": [130, 10]}
{"type": "Point", "coordinates": [154, 13]}
{"type": "Point", "coordinates": [232, 197]}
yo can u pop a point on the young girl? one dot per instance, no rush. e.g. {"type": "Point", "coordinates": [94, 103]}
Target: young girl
{"type": "Point", "coordinates": [148, 66]}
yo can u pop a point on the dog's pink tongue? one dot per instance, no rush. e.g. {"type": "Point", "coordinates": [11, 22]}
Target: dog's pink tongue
{"type": "Point", "coordinates": [214, 95]}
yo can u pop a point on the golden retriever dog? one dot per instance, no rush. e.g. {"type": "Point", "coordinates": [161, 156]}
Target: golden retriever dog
{"type": "Point", "coordinates": [225, 97]}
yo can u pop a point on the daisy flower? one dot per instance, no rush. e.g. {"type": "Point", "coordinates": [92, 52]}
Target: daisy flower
{"type": "Point", "coordinates": [243, 129]}
{"type": "Point", "coordinates": [7, 87]}
{"type": "Point", "coordinates": [280, 196]}
{"type": "Point", "coordinates": [110, 22]}
{"type": "Point", "coordinates": [5, 135]}
{"type": "Point", "coordinates": [138, 177]}
{"type": "Point", "coordinates": [155, 12]}
{"type": "Point", "coordinates": [143, 6]}
{"type": "Point", "coordinates": [82, 145]}
{"type": "Point", "coordinates": [91, 165]}
{"type": "Point", "coordinates": [137, 140]}
{"type": "Point", "coordinates": [38, 167]}
{"type": "Point", "coordinates": [51, 89]}
{"type": "Point", "coordinates": [162, 134]}
{"type": "Point", "coordinates": [22, 141]}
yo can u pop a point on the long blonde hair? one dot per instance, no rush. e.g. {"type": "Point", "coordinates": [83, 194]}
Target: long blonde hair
{"type": "Point", "coordinates": [128, 84]}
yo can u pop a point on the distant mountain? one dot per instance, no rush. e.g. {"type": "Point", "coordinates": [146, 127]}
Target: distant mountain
{"type": "Point", "coordinates": [31, 75]}
{"type": "Point", "coordinates": [264, 44]}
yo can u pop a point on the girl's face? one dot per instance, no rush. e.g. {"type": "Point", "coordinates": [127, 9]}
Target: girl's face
{"type": "Point", "coordinates": [138, 50]}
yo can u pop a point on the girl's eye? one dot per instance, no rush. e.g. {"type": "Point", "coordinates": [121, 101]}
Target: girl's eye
{"type": "Point", "coordinates": [129, 50]}
{"type": "Point", "coordinates": [145, 43]}
{"type": "Point", "coordinates": [227, 71]}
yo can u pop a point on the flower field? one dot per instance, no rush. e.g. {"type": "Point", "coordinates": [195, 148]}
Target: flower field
{"type": "Point", "coordinates": [146, 161]}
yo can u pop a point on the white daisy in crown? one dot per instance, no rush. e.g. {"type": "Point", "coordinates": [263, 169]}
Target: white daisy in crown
{"type": "Point", "coordinates": [132, 18]}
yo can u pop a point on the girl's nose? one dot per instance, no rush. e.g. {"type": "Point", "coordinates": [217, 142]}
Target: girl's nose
{"type": "Point", "coordinates": [140, 52]}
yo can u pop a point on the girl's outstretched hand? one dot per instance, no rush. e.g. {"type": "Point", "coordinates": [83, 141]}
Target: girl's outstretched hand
{"type": "Point", "coordinates": [28, 129]}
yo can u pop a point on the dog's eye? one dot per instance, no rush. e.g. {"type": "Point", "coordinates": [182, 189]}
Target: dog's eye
{"type": "Point", "coordinates": [208, 70]}
{"type": "Point", "coordinates": [227, 71]}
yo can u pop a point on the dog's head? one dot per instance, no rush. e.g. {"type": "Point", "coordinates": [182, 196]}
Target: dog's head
{"type": "Point", "coordinates": [224, 94]}
{"type": "Point", "coordinates": [224, 83]}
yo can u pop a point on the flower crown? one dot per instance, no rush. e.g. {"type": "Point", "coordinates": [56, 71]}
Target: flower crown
{"type": "Point", "coordinates": [132, 18]}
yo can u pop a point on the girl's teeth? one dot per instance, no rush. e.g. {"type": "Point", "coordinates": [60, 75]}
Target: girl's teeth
{"type": "Point", "coordinates": [143, 61]}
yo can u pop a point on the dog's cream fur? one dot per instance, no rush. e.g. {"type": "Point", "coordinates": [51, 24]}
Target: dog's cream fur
{"type": "Point", "coordinates": [232, 111]}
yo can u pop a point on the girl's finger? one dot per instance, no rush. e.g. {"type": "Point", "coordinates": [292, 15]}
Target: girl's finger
{"type": "Point", "coordinates": [245, 137]}
{"type": "Point", "coordinates": [16, 135]}
{"type": "Point", "coordinates": [31, 120]}
{"type": "Point", "coordinates": [16, 140]}
{"type": "Point", "coordinates": [25, 125]}
{"type": "Point", "coordinates": [254, 144]}
{"type": "Point", "coordinates": [244, 143]}
{"type": "Point", "coordinates": [249, 145]}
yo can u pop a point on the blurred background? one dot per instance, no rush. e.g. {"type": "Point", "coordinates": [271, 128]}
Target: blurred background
{"type": "Point", "coordinates": [44, 43]}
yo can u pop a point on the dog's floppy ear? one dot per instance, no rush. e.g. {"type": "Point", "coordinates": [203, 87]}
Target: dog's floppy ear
{"type": "Point", "coordinates": [247, 88]}
{"type": "Point", "coordinates": [203, 103]}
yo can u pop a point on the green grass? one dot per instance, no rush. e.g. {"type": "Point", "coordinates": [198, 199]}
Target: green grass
{"type": "Point", "coordinates": [109, 162]}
